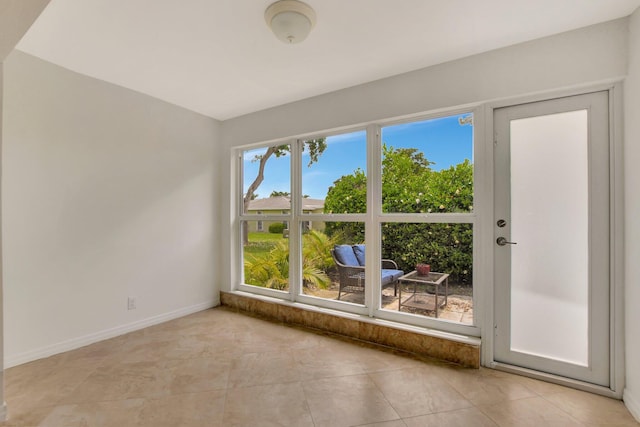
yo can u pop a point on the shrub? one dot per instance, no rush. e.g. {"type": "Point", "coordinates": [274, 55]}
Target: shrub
{"type": "Point", "coordinates": [276, 228]}
{"type": "Point", "coordinates": [409, 185]}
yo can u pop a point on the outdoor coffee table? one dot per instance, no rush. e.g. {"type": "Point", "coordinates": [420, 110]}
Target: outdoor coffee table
{"type": "Point", "coordinates": [419, 297]}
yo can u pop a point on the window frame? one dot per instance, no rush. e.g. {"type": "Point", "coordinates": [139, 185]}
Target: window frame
{"type": "Point", "coordinates": [373, 219]}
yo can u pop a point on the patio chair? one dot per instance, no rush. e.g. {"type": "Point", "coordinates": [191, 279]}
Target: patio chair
{"type": "Point", "coordinates": [350, 262]}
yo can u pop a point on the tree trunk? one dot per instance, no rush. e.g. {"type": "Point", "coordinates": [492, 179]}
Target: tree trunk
{"type": "Point", "coordinates": [251, 190]}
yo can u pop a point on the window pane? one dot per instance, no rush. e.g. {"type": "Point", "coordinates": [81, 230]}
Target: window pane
{"type": "Point", "coordinates": [334, 174]}
{"type": "Point", "coordinates": [266, 258]}
{"type": "Point", "coordinates": [337, 276]}
{"type": "Point", "coordinates": [448, 251]}
{"type": "Point", "coordinates": [271, 194]}
{"type": "Point", "coordinates": [427, 166]}
{"type": "Point", "coordinates": [548, 278]}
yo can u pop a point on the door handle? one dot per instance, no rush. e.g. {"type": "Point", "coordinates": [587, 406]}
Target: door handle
{"type": "Point", "coordinates": [501, 241]}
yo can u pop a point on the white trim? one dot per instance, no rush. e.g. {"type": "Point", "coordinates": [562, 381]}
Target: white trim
{"type": "Point", "coordinates": [3, 412]}
{"type": "Point", "coordinates": [617, 237]}
{"type": "Point", "coordinates": [614, 86]}
{"type": "Point", "coordinates": [75, 343]}
{"type": "Point", "coordinates": [632, 404]}
{"type": "Point", "coordinates": [373, 294]}
{"type": "Point", "coordinates": [294, 224]}
{"type": "Point", "coordinates": [581, 89]}
{"type": "Point", "coordinates": [556, 379]}
{"type": "Point", "coordinates": [487, 323]}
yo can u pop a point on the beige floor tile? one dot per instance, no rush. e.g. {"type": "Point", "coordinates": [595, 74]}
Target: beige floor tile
{"type": "Point", "coordinates": [220, 367]}
{"type": "Point", "coordinates": [347, 401]}
{"type": "Point", "coordinates": [263, 368]}
{"type": "Point", "coordinates": [334, 360]}
{"type": "Point", "coordinates": [97, 414]}
{"type": "Point", "coordinates": [146, 349]}
{"type": "Point", "coordinates": [195, 346]}
{"type": "Point", "coordinates": [47, 389]}
{"type": "Point", "coordinates": [377, 360]}
{"type": "Point", "coordinates": [394, 423]}
{"type": "Point", "coordinates": [542, 388]}
{"type": "Point", "coordinates": [255, 341]}
{"type": "Point", "coordinates": [529, 412]}
{"type": "Point", "coordinates": [266, 406]}
{"type": "Point", "coordinates": [592, 409]}
{"type": "Point", "coordinates": [196, 375]}
{"type": "Point", "coordinates": [123, 381]}
{"type": "Point", "coordinates": [183, 410]}
{"type": "Point", "coordinates": [469, 417]}
{"type": "Point", "coordinates": [486, 387]}
{"type": "Point", "coordinates": [204, 409]}
{"type": "Point", "coordinates": [22, 413]}
{"type": "Point", "coordinates": [418, 391]}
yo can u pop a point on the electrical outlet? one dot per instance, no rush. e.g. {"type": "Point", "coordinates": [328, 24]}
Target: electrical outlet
{"type": "Point", "coordinates": [131, 303]}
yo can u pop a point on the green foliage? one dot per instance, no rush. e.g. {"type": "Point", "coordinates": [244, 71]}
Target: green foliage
{"type": "Point", "coordinates": [276, 228]}
{"type": "Point", "coordinates": [446, 247]}
{"type": "Point", "coordinates": [260, 236]}
{"type": "Point", "coordinates": [272, 270]}
{"type": "Point", "coordinates": [276, 193]}
{"type": "Point", "coordinates": [347, 195]}
{"type": "Point", "coordinates": [409, 185]}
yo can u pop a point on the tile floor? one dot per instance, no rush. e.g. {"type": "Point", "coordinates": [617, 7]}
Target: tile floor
{"type": "Point", "coordinates": [222, 368]}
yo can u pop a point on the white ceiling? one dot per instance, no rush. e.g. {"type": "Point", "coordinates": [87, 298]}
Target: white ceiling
{"type": "Point", "coordinates": [218, 57]}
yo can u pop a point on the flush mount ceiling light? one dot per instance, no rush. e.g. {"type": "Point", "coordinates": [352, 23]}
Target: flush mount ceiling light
{"type": "Point", "coordinates": [290, 20]}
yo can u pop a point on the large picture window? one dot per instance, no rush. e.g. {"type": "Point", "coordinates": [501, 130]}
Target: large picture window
{"type": "Point", "coordinates": [360, 241]}
{"type": "Point", "coordinates": [427, 176]}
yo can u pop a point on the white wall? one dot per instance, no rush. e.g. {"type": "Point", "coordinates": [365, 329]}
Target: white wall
{"type": "Point", "coordinates": [16, 16]}
{"type": "Point", "coordinates": [3, 406]}
{"type": "Point", "coordinates": [106, 193]}
{"type": "Point", "coordinates": [586, 55]}
{"type": "Point", "coordinates": [632, 214]}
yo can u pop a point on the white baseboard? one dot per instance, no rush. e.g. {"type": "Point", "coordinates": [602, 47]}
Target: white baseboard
{"type": "Point", "coordinates": [632, 404]}
{"type": "Point", "coordinates": [72, 344]}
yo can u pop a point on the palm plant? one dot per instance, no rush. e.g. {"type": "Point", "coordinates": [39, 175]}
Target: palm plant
{"type": "Point", "coordinates": [272, 271]}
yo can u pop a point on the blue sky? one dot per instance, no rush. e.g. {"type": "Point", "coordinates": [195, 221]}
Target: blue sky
{"type": "Point", "coordinates": [443, 141]}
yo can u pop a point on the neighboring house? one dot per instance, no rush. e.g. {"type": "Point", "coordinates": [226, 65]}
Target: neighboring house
{"type": "Point", "coordinates": [280, 205]}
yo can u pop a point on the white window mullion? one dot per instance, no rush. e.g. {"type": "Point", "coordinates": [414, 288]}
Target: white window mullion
{"type": "Point", "coordinates": [295, 242]}
{"type": "Point", "coordinates": [372, 226]}
{"type": "Point", "coordinates": [236, 277]}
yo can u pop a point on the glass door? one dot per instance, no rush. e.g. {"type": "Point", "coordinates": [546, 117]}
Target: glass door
{"type": "Point", "coordinates": [551, 234]}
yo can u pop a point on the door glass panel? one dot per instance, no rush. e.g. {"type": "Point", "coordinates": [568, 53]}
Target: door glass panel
{"type": "Point", "coordinates": [549, 214]}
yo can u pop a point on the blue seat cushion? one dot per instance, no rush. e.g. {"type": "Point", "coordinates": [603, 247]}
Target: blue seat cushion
{"type": "Point", "coordinates": [359, 251]}
{"type": "Point", "coordinates": [390, 276]}
{"type": "Point", "coordinates": [344, 255]}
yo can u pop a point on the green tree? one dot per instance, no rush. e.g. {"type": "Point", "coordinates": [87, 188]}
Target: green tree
{"type": "Point", "coordinates": [409, 185]}
{"type": "Point", "coordinates": [276, 193]}
{"type": "Point", "coordinates": [315, 146]}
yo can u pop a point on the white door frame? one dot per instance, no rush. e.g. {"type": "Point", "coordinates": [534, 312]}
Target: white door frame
{"type": "Point", "coordinates": [616, 386]}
